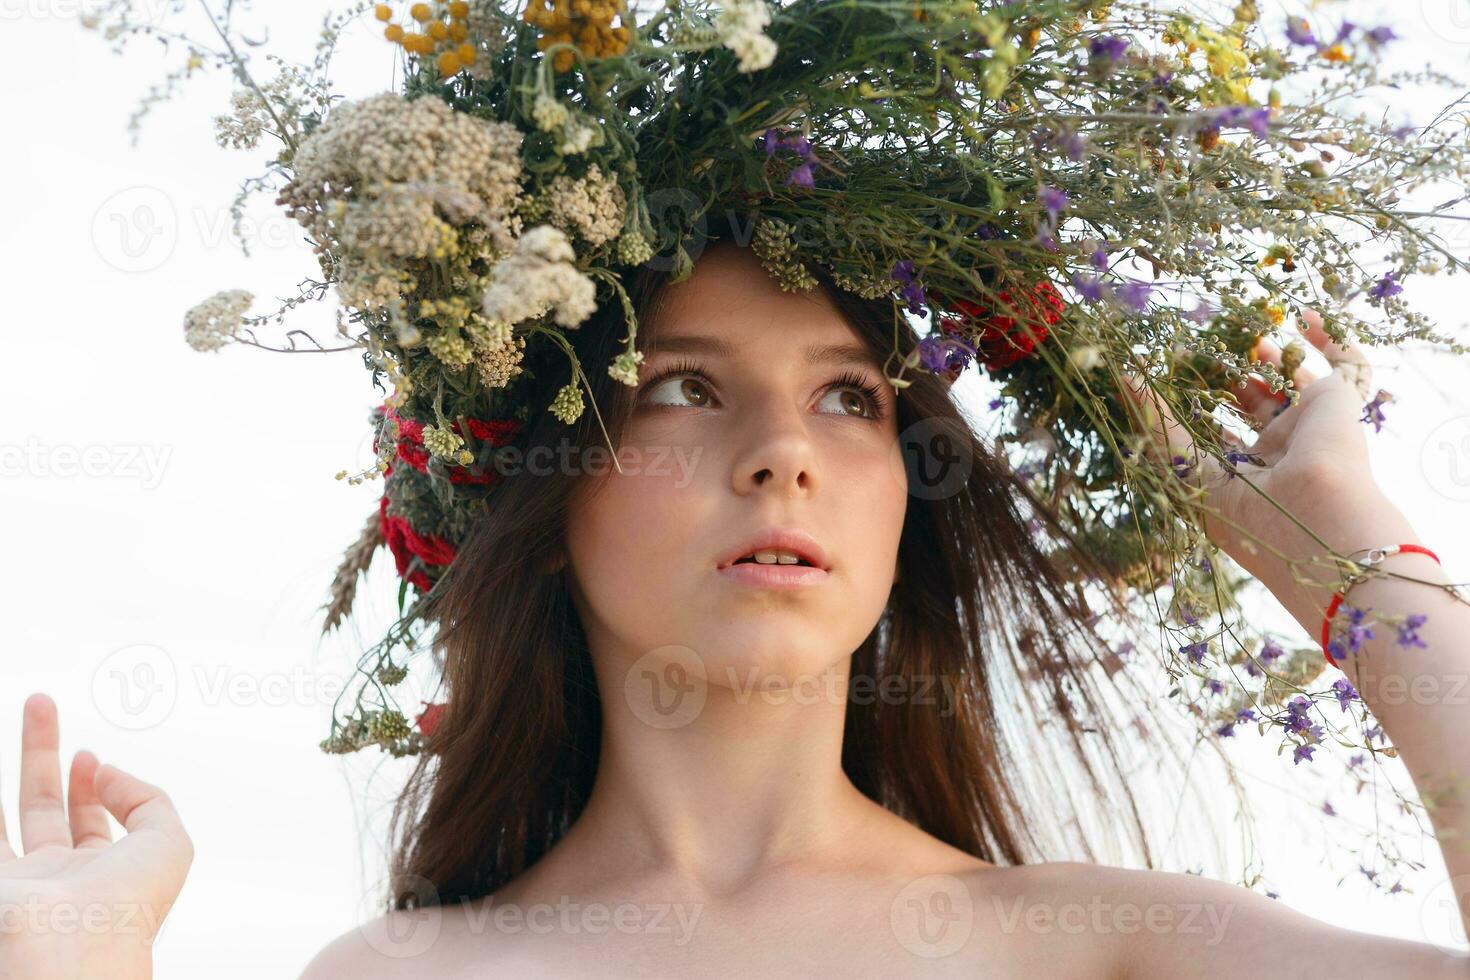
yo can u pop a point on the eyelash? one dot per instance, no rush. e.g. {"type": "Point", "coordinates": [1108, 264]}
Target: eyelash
{"type": "Point", "coordinates": [848, 379]}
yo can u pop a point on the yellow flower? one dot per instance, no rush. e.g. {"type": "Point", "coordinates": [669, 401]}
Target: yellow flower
{"type": "Point", "coordinates": [459, 10]}
{"type": "Point", "coordinates": [420, 12]}
{"type": "Point", "coordinates": [393, 33]}
{"type": "Point", "coordinates": [383, 12]}
{"type": "Point", "coordinates": [448, 63]}
{"type": "Point", "coordinates": [438, 30]}
{"type": "Point", "coordinates": [1335, 54]}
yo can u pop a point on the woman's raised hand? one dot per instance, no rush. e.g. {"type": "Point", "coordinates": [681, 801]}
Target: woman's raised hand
{"type": "Point", "coordinates": [76, 903]}
{"type": "Point", "coordinates": [1310, 459]}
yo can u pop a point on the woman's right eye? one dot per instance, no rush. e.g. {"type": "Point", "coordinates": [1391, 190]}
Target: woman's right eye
{"type": "Point", "coordinates": [681, 387]}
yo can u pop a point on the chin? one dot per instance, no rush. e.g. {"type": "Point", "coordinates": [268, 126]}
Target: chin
{"type": "Point", "coordinates": [776, 656]}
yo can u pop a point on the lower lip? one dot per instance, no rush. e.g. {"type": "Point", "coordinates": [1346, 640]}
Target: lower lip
{"type": "Point", "coordinates": [774, 576]}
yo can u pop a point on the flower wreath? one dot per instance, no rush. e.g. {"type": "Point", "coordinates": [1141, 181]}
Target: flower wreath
{"type": "Point", "coordinates": [1075, 189]}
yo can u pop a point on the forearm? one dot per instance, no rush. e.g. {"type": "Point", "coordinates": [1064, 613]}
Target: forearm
{"type": "Point", "coordinates": [1419, 695]}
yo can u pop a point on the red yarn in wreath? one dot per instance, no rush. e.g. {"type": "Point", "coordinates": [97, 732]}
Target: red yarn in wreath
{"type": "Point", "coordinates": [411, 449]}
{"type": "Point", "coordinates": [406, 544]}
{"type": "Point", "coordinates": [1011, 325]}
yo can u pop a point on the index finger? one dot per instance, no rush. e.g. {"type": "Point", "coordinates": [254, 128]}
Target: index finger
{"type": "Point", "coordinates": [42, 813]}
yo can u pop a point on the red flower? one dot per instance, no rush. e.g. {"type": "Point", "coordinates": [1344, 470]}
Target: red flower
{"type": "Point", "coordinates": [1011, 325]}
{"type": "Point", "coordinates": [429, 718]}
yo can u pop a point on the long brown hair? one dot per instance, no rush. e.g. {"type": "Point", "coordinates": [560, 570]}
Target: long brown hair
{"type": "Point", "coordinates": [1017, 762]}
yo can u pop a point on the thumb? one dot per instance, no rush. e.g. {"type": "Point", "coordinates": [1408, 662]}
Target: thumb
{"type": "Point", "coordinates": [156, 847]}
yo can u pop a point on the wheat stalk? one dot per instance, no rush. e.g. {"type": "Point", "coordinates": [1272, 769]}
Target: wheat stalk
{"type": "Point", "coordinates": [354, 563]}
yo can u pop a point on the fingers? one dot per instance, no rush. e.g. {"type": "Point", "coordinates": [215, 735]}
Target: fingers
{"type": "Point", "coordinates": [1165, 435]}
{"type": "Point", "coordinates": [42, 812]}
{"type": "Point", "coordinates": [1347, 358]}
{"type": "Point", "coordinates": [89, 826]}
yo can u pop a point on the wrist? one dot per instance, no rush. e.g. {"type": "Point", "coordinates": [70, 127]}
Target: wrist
{"type": "Point", "coordinates": [1307, 579]}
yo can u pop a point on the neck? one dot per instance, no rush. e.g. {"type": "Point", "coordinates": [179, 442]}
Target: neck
{"type": "Point", "coordinates": [713, 793]}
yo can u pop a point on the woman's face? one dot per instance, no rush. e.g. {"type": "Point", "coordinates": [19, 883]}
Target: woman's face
{"type": "Point", "coordinates": [724, 445]}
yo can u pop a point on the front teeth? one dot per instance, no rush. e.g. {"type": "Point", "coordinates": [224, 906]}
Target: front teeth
{"type": "Point", "coordinates": [776, 558]}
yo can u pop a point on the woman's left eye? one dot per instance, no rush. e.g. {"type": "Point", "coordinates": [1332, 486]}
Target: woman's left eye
{"type": "Point", "coordinates": [851, 401]}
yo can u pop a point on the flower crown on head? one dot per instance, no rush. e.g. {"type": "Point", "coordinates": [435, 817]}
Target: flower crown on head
{"type": "Point", "coordinates": [1063, 192]}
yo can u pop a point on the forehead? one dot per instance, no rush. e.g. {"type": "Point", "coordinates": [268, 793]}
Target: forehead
{"type": "Point", "coordinates": [731, 307]}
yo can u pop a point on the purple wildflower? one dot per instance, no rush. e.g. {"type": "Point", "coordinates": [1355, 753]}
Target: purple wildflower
{"type": "Point", "coordinates": [1107, 47]}
{"type": "Point", "coordinates": [1374, 732]}
{"type": "Point", "coordinates": [1386, 287]}
{"type": "Point", "coordinates": [1327, 809]}
{"type": "Point", "coordinates": [912, 291]}
{"type": "Point", "coordinates": [1357, 631]}
{"type": "Point", "coordinates": [944, 353]}
{"type": "Point", "coordinates": [1256, 119]}
{"type": "Point", "coordinates": [1408, 637]}
{"type": "Point", "coordinates": [1090, 288]}
{"type": "Point", "coordinates": [1373, 412]}
{"type": "Point", "coordinates": [1302, 752]}
{"type": "Point", "coordinates": [1226, 730]}
{"type": "Point", "coordinates": [994, 402]}
{"type": "Point", "coordinates": [1054, 199]}
{"type": "Point", "coordinates": [771, 142]}
{"type": "Point", "coordinates": [1134, 296]}
{"type": "Point", "coordinates": [1099, 257]}
{"type": "Point", "coordinates": [1298, 31]}
{"type": "Point", "coordinates": [1201, 314]}
{"type": "Point", "coordinates": [1346, 693]}
{"type": "Point", "coordinates": [1356, 760]}
{"type": "Point", "coordinates": [1195, 651]}
{"type": "Point", "coordinates": [1214, 686]}
{"type": "Point", "coordinates": [801, 176]}
{"type": "Point", "coordinates": [1246, 714]}
{"type": "Point", "coordinates": [1381, 35]}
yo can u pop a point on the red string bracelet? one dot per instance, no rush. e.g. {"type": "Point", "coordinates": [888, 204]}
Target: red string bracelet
{"type": "Point", "coordinates": [1375, 556]}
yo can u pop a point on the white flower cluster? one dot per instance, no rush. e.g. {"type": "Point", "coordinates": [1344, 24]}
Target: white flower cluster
{"type": "Point", "coordinates": [624, 367]}
{"type": "Point", "coordinates": [741, 25]}
{"type": "Point", "coordinates": [251, 116]}
{"type": "Point", "coordinates": [593, 206]}
{"type": "Point", "coordinates": [540, 275]}
{"type": "Point", "coordinates": [550, 115]}
{"type": "Point", "coordinates": [385, 180]}
{"type": "Point", "coordinates": [212, 324]}
{"type": "Point", "coordinates": [578, 137]}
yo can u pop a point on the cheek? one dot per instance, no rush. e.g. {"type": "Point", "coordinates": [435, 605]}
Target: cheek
{"type": "Point", "coordinates": [628, 533]}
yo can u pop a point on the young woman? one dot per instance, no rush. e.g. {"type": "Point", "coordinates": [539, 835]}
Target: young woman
{"type": "Point", "coordinates": [655, 758]}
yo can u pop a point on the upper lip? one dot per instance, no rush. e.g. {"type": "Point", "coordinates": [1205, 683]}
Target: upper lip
{"type": "Point", "coordinates": [792, 539]}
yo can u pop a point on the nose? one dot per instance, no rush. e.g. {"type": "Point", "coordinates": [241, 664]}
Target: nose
{"type": "Point", "coordinates": [777, 454]}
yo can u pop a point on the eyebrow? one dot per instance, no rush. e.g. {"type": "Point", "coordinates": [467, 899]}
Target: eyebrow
{"type": "Point", "coordinates": [815, 353]}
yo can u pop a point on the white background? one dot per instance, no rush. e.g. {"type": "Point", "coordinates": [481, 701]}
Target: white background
{"type": "Point", "coordinates": [191, 561]}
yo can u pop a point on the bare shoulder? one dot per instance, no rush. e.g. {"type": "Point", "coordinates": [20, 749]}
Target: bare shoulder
{"type": "Point", "coordinates": [1157, 923]}
{"type": "Point", "coordinates": [405, 943]}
